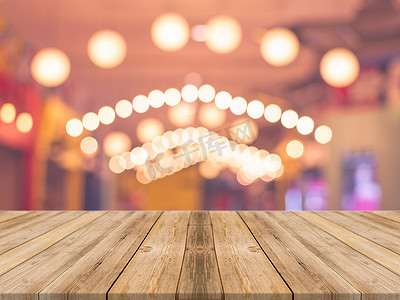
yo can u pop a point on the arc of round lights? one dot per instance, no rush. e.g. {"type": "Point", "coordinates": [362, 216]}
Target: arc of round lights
{"type": "Point", "coordinates": [206, 93]}
{"type": "Point", "coordinates": [154, 160]}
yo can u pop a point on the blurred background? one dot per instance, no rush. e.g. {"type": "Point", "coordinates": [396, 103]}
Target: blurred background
{"type": "Point", "coordinates": [258, 104]}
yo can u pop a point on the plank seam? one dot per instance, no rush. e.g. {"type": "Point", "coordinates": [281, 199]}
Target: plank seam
{"type": "Point", "coordinates": [133, 255]}
{"type": "Point", "coordinates": [280, 275]}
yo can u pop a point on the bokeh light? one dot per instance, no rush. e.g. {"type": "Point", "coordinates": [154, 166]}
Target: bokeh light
{"type": "Point", "coordinates": [339, 67]}
{"type": "Point", "coordinates": [255, 109]}
{"type": "Point", "coordinates": [50, 67]}
{"type": "Point", "coordinates": [279, 46]}
{"type": "Point", "coordinates": [156, 98]}
{"type": "Point", "coordinates": [24, 122]}
{"type": "Point", "coordinates": [272, 113]}
{"type": "Point", "coordinates": [323, 134]}
{"type": "Point", "coordinates": [74, 127]}
{"type": "Point", "coordinates": [206, 93]}
{"type": "Point", "coordinates": [140, 104]}
{"type": "Point", "coordinates": [198, 33]}
{"type": "Point", "coordinates": [148, 129]}
{"type": "Point", "coordinates": [173, 139]}
{"type": "Point", "coordinates": [272, 163]}
{"type": "Point", "coordinates": [7, 113]}
{"type": "Point", "coordinates": [190, 93]}
{"type": "Point", "coordinates": [223, 100]}
{"type": "Point", "coordinates": [305, 125]}
{"type": "Point", "coordinates": [116, 164]}
{"type": "Point", "coordinates": [139, 155]}
{"type": "Point", "coordinates": [210, 116]}
{"type": "Point", "coordinates": [170, 32]}
{"type": "Point", "coordinates": [182, 114]}
{"type": "Point", "coordinates": [115, 143]}
{"type": "Point", "coordinates": [238, 106]}
{"type": "Point", "coordinates": [223, 34]}
{"type": "Point", "coordinates": [107, 49]}
{"type": "Point", "coordinates": [289, 118]}
{"type": "Point", "coordinates": [128, 161]}
{"type": "Point", "coordinates": [90, 121]}
{"type": "Point", "coordinates": [123, 108]}
{"type": "Point", "coordinates": [106, 115]}
{"type": "Point", "coordinates": [209, 169]}
{"type": "Point", "coordinates": [295, 149]}
{"type": "Point", "coordinates": [172, 97]}
{"type": "Point", "coordinates": [89, 145]}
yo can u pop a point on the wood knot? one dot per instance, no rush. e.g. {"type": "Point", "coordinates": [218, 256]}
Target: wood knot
{"type": "Point", "coordinates": [200, 249]}
{"type": "Point", "coordinates": [145, 249]}
{"type": "Point", "coordinates": [254, 249]}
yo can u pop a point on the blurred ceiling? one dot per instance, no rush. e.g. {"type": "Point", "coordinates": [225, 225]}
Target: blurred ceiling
{"type": "Point", "coordinates": [370, 28]}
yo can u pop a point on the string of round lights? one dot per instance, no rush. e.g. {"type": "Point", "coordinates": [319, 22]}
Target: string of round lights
{"type": "Point", "coordinates": [23, 121]}
{"type": "Point", "coordinates": [255, 109]}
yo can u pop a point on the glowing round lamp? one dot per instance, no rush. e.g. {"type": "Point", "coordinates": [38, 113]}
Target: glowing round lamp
{"type": "Point", "coordinates": [89, 146]}
{"type": "Point", "coordinates": [170, 32]}
{"type": "Point", "coordinates": [107, 49]}
{"type": "Point", "coordinates": [289, 118]}
{"type": "Point", "coordinates": [272, 113]}
{"type": "Point", "coordinates": [172, 97]}
{"type": "Point", "coordinates": [7, 113]}
{"type": "Point", "coordinates": [295, 149]}
{"type": "Point", "coordinates": [238, 106]}
{"type": "Point", "coordinates": [323, 134]}
{"type": "Point", "coordinates": [339, 67]}
{"type": "Point", "coordinates": [115, 143]}
{"type": "Point", "coordinates": [116, 164]}
{"type": "Point", "coordinates": [90, 121]}
{"type": "Point", "coordinates": [255, 109]}
{"type": "Point", "coordinates": [123, 108]}
{"type": "Point", "coordinates": [74, 127]}
{"type": "Point", "coordinates": [190, 93]}
{"type": "Point", "coordinates": [305, 125]}
{"type": "Point", "coordinates": [210, 116]}
{"type": "Point", "coordinates": [50, 67]}
{"type": "Point", "coordinates": [206, 93]}
{"type": "Point", "coordinates": [223, 100]}
{"type": "Point", "coordinates": [24, 122]}
{"type": "Point", "coordinates": [140, 104]}
{"type": "Point", "coordinates": [279, 46]}
{"type": "Point", "coordinates": [106, 115]}
{"type": "Point", "coordinates": [156, 98]}
{"type": "Point", "coordinates": [223, 34]}
{"type": "Point", "coordinates": [148, 129]}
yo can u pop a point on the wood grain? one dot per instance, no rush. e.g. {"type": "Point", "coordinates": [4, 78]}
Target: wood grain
{"type": "Point", "coordinates": [373, 280]}
{"type": "Point", "coordinates": [153, 273]}
{"type": "Point", "coordinates": [199, 255]}
{"type": "Point", "coordinates": [382, 255]}
{"type": "Point", "coordinates": [246, 273]}
{"type": "Point", "coordinates": [8, 215]}
{"type": "Point", "coordinates": [306, 274]}
{"type": "Point", "coordinates": [26, 280]}
{"type": "Point", "coordinates": [17, 255]}
{"type": "Point", "coordinates": [376, 229]}
{"type": "Point", "coordinates": [200, 275]}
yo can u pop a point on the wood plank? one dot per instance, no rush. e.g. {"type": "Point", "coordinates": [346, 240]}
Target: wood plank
{"type": "Point", "coordinates": [391, 215]}
{"type": "Point", "coordinates": [22, 230]}
{"type": "Point", "coordinates": [200, 275]}
{"type": "Point", "coordinates": [246, 273]}
{"type": "Point", "coordinates": [153, 272]}
{"type": "Point", "coordinates": [306, 274]}
{"type": "Point", "coordinates": [372, 227]}
{"type": "Point", "coordinates": [382, 255]}
{"type": "Point", "coordinates": [26, 280]}
{"type": "Point", "coordinates": [373, 280]}
{"type": "Point", "coordinates": [8, 215]}
{"type": "Point", "coordinates": [17, 255]}
{"type": "Point", "coordinates": [95, 272]}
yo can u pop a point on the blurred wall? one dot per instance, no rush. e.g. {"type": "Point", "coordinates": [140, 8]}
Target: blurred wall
{"type": "Point", "coordinates": [376, 130]}
{"type": "Point", "coordinates": [11, 184]}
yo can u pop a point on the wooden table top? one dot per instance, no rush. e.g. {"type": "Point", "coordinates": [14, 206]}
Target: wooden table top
{"type": "Point", "coordinates": [199, 255]}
